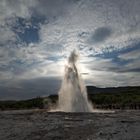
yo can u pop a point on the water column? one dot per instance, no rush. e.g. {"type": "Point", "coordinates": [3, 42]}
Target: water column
{"type": "Point", "coordinates": [73, 94]}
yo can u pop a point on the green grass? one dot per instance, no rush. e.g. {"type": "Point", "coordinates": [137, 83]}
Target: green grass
{"type": "Point", "coordinates": [129, 100]}
{"type": "Point", "coordinates": [24, 104]}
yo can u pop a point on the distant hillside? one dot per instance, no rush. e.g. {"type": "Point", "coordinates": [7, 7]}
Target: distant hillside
{"type": "Point", "coordinates": [115, 97]}
{"type": "Point", "coordinates": [23, 104]}
{"type": "Point", "coordinates": [96, 90]}
{"type": "Point", "coordinates": [101, 98]}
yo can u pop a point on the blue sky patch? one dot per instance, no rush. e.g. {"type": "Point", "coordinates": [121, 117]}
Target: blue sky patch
{"type": "Point", "coordinates": [28, 30]}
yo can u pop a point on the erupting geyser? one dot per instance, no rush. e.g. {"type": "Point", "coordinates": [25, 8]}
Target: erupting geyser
{"type": "Point", "coordinates": [73, 94]}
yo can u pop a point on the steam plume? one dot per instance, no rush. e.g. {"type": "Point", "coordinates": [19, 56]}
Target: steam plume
{"type": "Point", "coordinates": [73, 94]}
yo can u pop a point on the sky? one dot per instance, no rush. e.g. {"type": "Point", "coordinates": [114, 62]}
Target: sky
{"type": "Point", "coordinates": [37, 36]}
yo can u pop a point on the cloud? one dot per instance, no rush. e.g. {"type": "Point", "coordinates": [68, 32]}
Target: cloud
{"type": "Point", "coordinates": [85, 20]}
{"type": "Point", "coordinates": [53, 9]}
{"type": "Point", "coordinates": [131, 55]}
{"type": "Point", "coordinates": [37, 36]}
{"type": "Point", "coordinates": [6, 35]}
{"type": "Point", "coordinates": [112, 79]}
{"type": "Point", "coordinates": [30, 88]}
{"type": "Point", "coordinates": [100, 35]}
{"type": "Point", "coordinates": [16, 8]}
{"type": "Point", "coordinates": [9, 12]}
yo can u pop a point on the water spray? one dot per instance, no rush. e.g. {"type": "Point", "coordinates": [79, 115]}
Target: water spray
{"type": "Point", "coordinates": [73, 94]}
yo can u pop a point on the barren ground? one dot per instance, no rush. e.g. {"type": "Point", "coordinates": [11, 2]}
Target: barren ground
{"type": "Point", "coordinates": [43, 125]}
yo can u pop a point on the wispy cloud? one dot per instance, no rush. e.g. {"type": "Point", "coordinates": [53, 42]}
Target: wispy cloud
{"type": "Point", "coordinates": [37, 37]}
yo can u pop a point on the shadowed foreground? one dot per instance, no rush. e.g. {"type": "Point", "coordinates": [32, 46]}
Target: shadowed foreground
{"type": "Point", "coordinates": [42, 125]}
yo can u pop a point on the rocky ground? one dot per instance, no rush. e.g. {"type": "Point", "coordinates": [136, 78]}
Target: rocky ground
{"type": "Point", "coordinates": [43, 125]}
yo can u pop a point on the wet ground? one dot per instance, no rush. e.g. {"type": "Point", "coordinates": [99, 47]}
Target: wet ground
{"type": "Point", "coordinates": [42, 125]}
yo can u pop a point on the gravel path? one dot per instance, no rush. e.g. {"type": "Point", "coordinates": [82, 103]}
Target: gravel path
{"type": "Point", "coordinates": [42, 125]}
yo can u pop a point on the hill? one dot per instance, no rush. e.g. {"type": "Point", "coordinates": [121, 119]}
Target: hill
{"type": "Point", "coordinates": [101, 98]}
{"type": "Point", "coordinates": [115, 97]}
{"type": "Point", "coordinates": [96, 90]}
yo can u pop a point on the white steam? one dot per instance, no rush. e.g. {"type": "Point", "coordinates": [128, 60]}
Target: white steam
{"type": "Point", "coordinates": [73, 94]}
